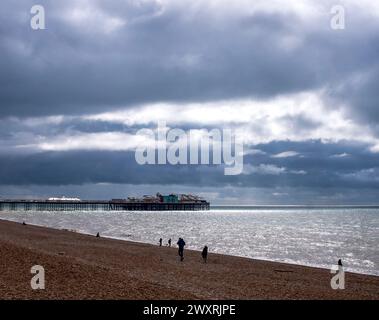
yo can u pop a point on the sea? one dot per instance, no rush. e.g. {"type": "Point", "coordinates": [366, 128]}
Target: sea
{"type": "Point", "coordinates": [310, 236]}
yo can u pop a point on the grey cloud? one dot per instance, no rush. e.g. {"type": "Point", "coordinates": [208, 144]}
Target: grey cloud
{"type": "Point", "coordinates": [362, 95]}
{"type": "Point", "coordinates": [74, 70]}
{"type": "Point", "coordinates": [316, 169]}
{"type": "Point", "coordinates": [217, 195]}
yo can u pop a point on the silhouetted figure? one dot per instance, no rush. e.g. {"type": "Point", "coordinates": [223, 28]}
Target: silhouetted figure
{"type": "Point", "coordinates": [23, 223]}
{"type": "Point", "coordinates": [204, 254]}
{"type": "Point", "coordinates": [340, 262]}
{"type": "Point", "coordinates": [98, 235]}
{"type": "Point", "coordinates": [160, 242]}
{"type": "Point", "coordinates": [169, 242]}
{"type": "Point", "coordinates": [181, 245]}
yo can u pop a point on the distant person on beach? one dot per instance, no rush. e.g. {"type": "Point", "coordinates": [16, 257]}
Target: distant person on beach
{"type": "Point", "coordinates": [340, 262]}
{"type": "Point", "coordinates": [169, 242]}
{"type": "Point", "coordinates": [181, 245]}
{"type": "Point", "coordinates": [98, 235]}
{"type": "Point", "coordinates": [23, 223]}
{"type": "Point", "coordinates": [160, 242]}
{"type": "Point", "coordinates": [204, 254]}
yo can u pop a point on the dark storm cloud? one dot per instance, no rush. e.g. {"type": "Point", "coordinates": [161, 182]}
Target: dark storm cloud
{"type": "Point", "coordinates": [175, 53]}
{"type": "Point", "coordinates": [316, 165]}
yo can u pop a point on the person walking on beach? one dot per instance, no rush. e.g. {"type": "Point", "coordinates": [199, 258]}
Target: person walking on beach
{"type": "Point", "coordinates": [169, 242]}
{"type": "Point", "coordinates": [204, 254]}
{"type": "Point", "coordinates": [160, 242]}
{"type": "Point", "coordinates": [181, 245]}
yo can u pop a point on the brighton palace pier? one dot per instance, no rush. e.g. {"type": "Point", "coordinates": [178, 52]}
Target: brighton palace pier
{"type": "Point", "coordinates": [159, 202]}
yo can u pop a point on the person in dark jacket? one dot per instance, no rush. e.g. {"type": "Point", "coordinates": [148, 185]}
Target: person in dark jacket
{"type": "Point", "coordinates": [160, 242]}
{"type": "Point", "coordinates": [169, 242]}
{"type": "Point", "coordinates": [204, 254]}
{"type": "Point", "coordinates": [181, 245]}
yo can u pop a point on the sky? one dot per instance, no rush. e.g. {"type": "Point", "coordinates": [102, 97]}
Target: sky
{"type": "Point", "coordinates": [304, 97]}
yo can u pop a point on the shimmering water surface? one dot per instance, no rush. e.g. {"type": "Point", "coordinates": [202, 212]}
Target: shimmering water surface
{"type": "Point", "coordinates": [306, 236]}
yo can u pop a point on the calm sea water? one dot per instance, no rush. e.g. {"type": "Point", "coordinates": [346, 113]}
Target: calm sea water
{"type": "Point", "coordinates": [306, 236]}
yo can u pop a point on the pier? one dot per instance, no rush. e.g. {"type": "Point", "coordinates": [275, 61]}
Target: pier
{"type": "Point", "coordinates": [159, 203]}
